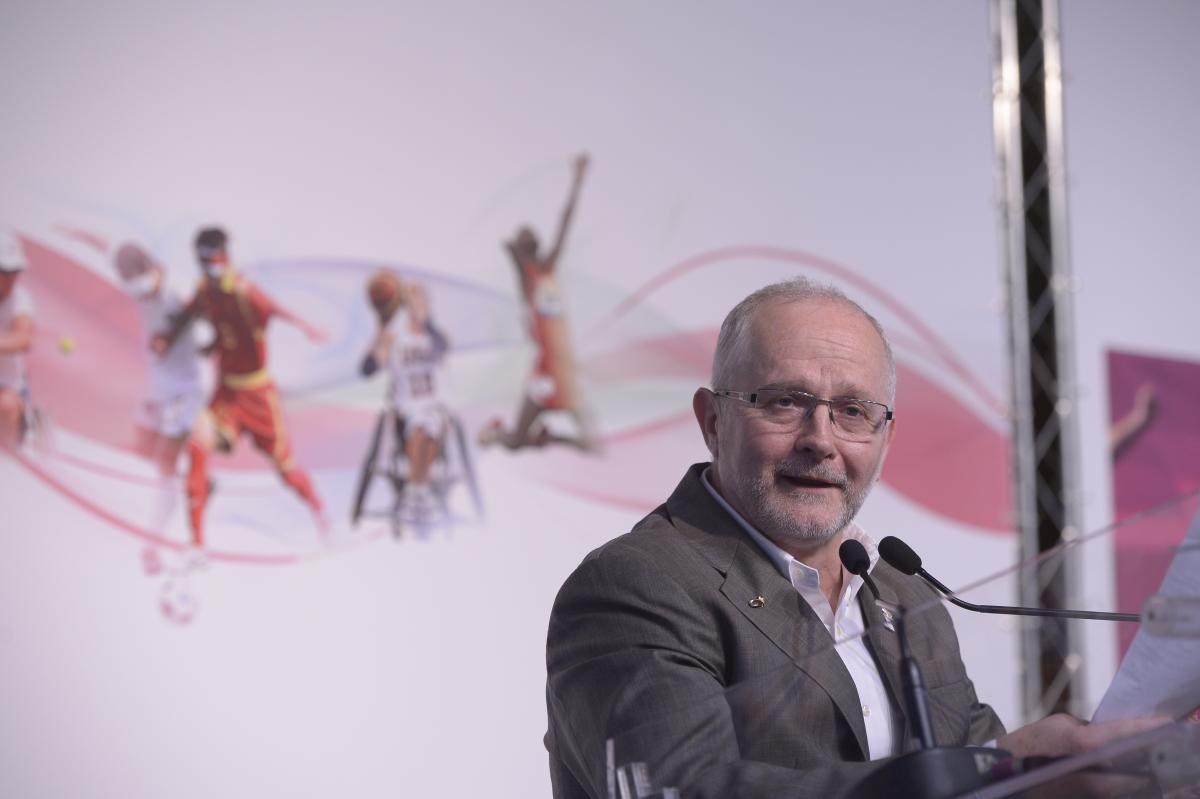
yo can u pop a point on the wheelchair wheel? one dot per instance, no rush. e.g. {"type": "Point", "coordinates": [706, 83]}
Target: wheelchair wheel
{"type": "Point", "coordinates": [368, 470]}
{"type": "Point", "coordinates": [468, 466]}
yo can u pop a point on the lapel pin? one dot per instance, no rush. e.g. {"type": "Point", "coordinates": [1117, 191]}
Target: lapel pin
{"type": "Point", "coordinates": [758, 602]}
{"type": "Point", "coordinates": [889, 621]}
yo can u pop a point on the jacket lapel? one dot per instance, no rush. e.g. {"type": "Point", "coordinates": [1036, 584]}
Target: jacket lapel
{"type": "Point", "coordinates": [885, 645]}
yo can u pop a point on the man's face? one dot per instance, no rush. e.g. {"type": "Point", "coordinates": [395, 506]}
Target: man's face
{"type": "Point", "coordinates": [213, 261]}
{"type": "Point", "coordinates": [799, 487]}
{"type": "Point", "coordinates": [7, 281]}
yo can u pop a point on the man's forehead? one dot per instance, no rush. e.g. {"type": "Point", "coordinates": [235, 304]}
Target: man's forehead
{"type": "Point", "coordinates": [791, 344]}
{"type": "Point", "coordinates": [811, 323]}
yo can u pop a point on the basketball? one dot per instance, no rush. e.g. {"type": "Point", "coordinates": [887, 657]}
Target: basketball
{"type": "Point", "coordinates": [385, 293]}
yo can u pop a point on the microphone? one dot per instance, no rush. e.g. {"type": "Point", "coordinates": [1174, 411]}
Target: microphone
{"type": "Point", "coordinates": [855, 559]}
{"type": "Point", "coordinates": [916, 699]}
{"type": "Point", "coordinates": [901, 557]}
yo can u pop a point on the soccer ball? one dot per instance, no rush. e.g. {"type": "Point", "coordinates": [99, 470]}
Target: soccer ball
{"type": "Point", "coordinates": [177, 602]}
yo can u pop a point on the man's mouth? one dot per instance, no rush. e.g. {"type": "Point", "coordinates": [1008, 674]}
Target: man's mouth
{"type": "Point", "coordinates": [805, 481]}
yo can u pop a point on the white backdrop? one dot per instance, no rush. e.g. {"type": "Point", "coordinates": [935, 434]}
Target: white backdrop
{"type": "Point", "coordinates": [853, 141]}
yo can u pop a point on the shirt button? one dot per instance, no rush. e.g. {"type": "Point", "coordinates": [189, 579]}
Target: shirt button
{"type": "Point", "coordinates": [866, 711]}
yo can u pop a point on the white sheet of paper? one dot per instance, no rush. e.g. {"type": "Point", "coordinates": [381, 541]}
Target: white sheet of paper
{"type": "Point", "coordinates": [1160, 676]}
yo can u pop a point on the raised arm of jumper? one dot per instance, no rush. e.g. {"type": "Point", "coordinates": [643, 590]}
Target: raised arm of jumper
{"type": "Point", "coordinates": [581, 164]}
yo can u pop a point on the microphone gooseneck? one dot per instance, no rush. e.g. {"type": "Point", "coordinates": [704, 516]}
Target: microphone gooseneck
{"type": "Point", "coordinates": [901, 557]}
{"type": "Point", "coordinates": [916, 699]}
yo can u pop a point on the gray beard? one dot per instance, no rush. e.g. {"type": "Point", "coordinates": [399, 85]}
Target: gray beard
{"type": "Point", "coordinates": [776, 523]}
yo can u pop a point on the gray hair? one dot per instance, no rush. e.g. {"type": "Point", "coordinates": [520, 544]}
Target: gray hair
{"type": "Point", "coordinates": [797, 289]}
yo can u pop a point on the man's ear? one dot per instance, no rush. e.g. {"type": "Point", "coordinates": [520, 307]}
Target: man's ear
{"type": "Point", "coordinates": [704, 405]}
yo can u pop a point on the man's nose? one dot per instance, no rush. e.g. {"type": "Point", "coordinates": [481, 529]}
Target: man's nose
{"type": "Point", "coordinates": [815, 432]}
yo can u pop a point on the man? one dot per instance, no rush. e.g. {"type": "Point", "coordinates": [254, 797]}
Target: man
{"type": "Point", "coordinates": [412, 349]}
{"type": "Point", "coordinates": [703, 641]}
{"type": "Point", "coordinates": [173, 395]}
{"type": "Point", "coordinates": [551, 386]}
{"type": "Point", "coordinates": [16, 338]}
{"type": "Point", "coordinates": [245, 399]}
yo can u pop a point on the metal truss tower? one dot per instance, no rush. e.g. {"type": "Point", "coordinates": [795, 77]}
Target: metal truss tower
{"type": "Point", "coordinates": [1028, 119]}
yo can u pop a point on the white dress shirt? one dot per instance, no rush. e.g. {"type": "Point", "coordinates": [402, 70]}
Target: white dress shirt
{"type": "Point", "coordinates": [845, 626]}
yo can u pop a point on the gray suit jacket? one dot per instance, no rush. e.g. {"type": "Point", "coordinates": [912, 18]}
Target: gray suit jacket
{"type": "Point", "coordinates": [653, 642]}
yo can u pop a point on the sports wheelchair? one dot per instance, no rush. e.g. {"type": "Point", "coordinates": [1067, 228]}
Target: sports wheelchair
{"type": "Point", "coordinates": [451, 470]}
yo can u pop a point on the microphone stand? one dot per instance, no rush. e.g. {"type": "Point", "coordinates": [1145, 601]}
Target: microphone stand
{"type": "Point", "coordinates": [934, 772]}
{"type": "Point", "coordinates": [931, 772]}
{"type": "Point", "coordinates": [912, 682]}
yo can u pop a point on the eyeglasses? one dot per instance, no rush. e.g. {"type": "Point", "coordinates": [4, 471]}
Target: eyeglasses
{"type": "Point", "coordinates": [853, 419]}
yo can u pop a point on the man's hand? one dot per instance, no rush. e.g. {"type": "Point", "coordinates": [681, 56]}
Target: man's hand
{"type": "Point", "coordinates": [1061, 734]}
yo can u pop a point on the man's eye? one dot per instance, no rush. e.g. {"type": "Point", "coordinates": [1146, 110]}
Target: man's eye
{"type": "Point", "coordinates": [852, 411]}
{"type": "Point", "coordinates": [782, 403]}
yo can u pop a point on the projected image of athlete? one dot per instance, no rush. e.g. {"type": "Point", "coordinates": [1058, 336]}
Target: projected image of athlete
{"type": "Point", "coordinates": [412, 349]}
{"type": "Point", "coordinates": [16, 339]}
{"type": "Point", "coordinates": [245, 399]}
{"type": "Point", "coordinates": [551, 385]}
{"type": "Point", "coordinates": [173, 395]}
{"type": "Point", "coordinates": [1125, 430]}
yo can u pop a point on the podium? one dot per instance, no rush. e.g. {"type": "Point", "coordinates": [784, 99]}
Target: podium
{"type": "Point", "coordinates": [1164, 761]}
{"type": "Point", "coordinates": [742, 741]}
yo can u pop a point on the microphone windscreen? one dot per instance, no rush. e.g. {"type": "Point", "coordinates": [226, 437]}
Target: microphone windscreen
{"type": "Point", "coordinates": [899, 555]}
{"type": "Point", "coordinates": [854, 557]}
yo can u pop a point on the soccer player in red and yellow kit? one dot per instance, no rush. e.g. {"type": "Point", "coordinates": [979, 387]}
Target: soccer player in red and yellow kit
{"type": "Point", "coordinates": [245, 399]}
